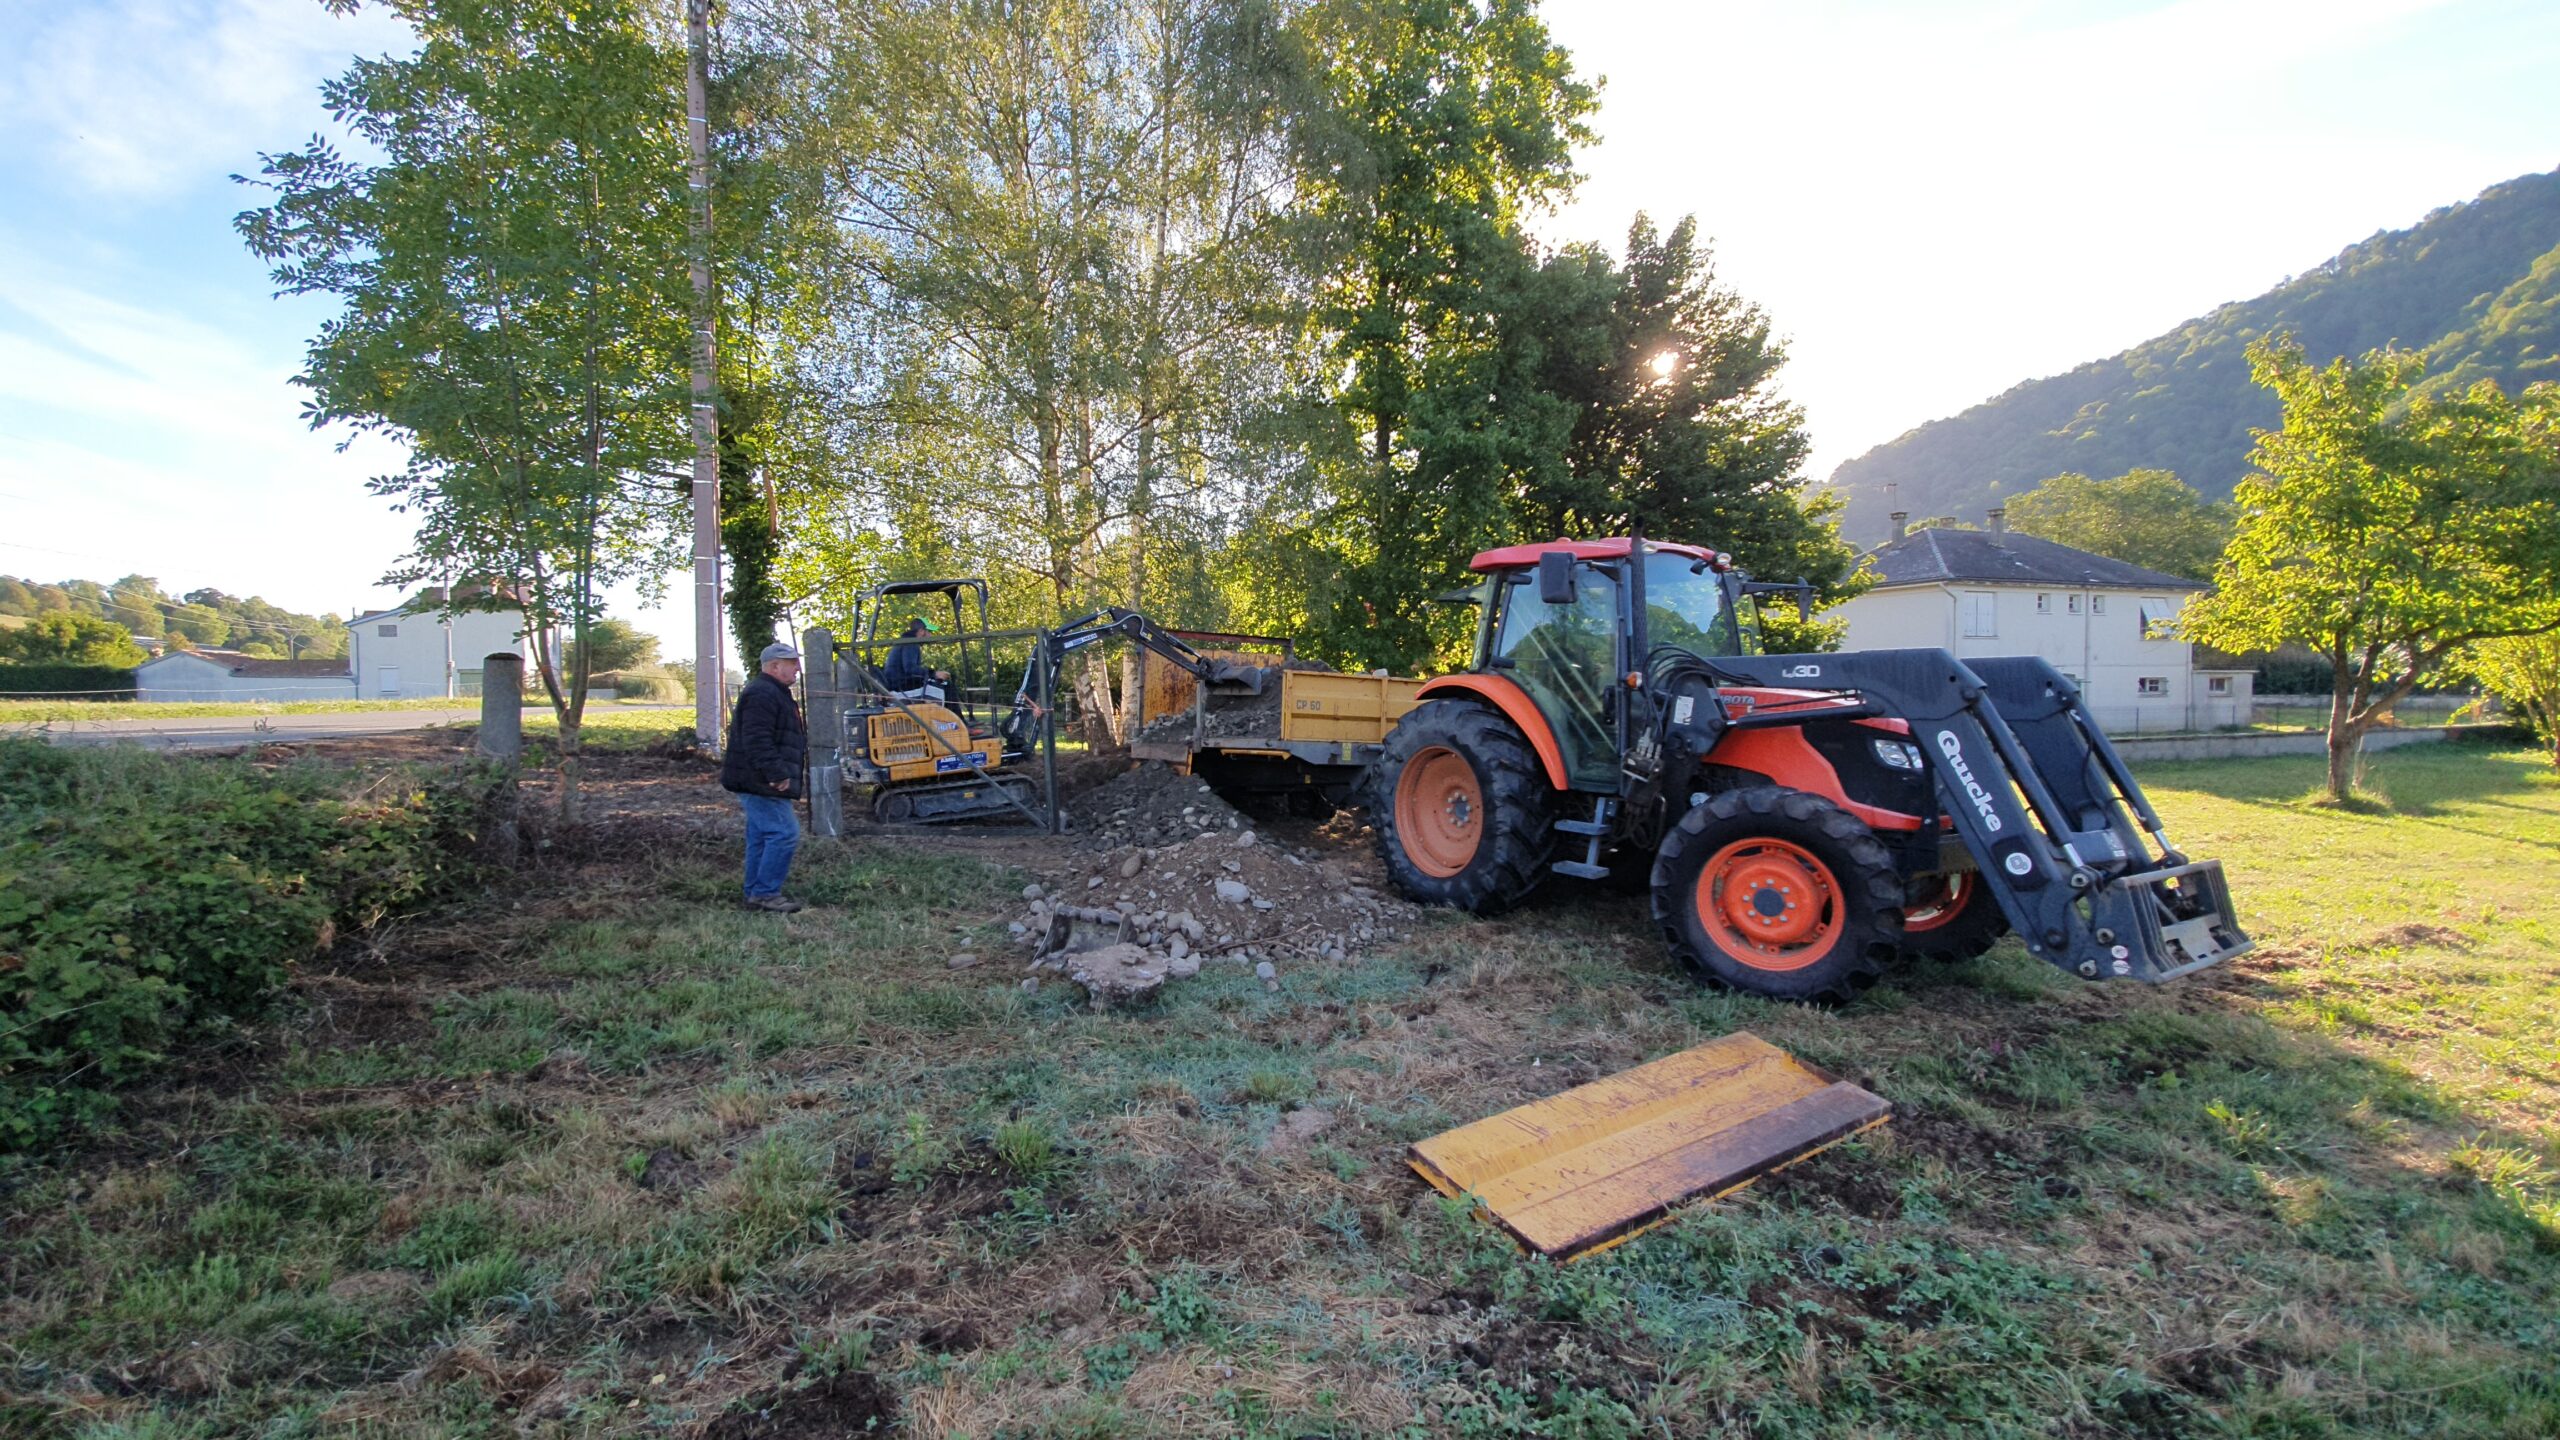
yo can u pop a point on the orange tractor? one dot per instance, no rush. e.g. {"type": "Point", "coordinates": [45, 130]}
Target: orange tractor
{"type": "Point", "coordinates": [1802, 821]}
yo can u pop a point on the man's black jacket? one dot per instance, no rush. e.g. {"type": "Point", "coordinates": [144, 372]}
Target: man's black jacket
{"type": "Point", "coordinates": [905, 670]}
{"type": "Point", "coordinates": [767, 741]}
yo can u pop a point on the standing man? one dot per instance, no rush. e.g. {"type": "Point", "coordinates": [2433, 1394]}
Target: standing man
{"type": "Point", "coordinates": [768, 741]}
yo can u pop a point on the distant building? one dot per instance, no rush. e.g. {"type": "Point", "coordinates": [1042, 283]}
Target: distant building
{"type": "Point", "coordinates": [227, 675]}
{"type": "Point", "coordinates": [2107, 624]}
{"type": "Point", "coordinates": [416, 652]}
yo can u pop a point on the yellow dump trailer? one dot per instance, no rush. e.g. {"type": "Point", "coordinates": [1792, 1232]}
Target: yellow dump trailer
{"type": "Point", "coordinates": [1309, 735]}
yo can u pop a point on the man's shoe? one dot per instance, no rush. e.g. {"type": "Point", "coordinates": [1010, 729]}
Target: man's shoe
{"type": "Point", "coordinates": [785, 905]}
{"type": "Point", "coordinates": [772, 904]}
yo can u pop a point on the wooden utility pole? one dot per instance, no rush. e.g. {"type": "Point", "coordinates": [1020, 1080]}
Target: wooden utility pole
{"type": "Point", "coordinates": [709, 673]}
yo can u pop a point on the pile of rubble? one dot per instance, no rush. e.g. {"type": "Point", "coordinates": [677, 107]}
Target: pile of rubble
{"type": "Point", "coordinates": [1183, 880]}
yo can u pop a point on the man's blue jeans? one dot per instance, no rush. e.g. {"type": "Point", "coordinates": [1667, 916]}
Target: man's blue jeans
{"type": "Point", "coordinates": [773, 836]}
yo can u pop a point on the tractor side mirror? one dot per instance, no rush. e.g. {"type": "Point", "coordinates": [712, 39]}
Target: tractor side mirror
{"type": "Point", "coordinates": [1555, 577]}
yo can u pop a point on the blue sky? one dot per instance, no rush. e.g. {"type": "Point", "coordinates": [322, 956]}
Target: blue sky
{"type": "Point", "coordinates": [1933, 201]}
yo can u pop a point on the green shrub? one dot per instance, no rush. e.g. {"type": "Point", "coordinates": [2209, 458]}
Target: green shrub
{"type": "Point", "coordinates": [142, 893]}
{"type": "Point", "coordinates": [93, 682]}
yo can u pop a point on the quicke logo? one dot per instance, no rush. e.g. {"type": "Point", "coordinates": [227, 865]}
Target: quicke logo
{"type": "Point", "coordinates": [1953, 749]}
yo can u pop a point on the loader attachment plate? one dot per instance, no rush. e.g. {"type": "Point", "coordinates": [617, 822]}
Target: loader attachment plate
{"type": "Point", "coordinates": [1578, 1172]}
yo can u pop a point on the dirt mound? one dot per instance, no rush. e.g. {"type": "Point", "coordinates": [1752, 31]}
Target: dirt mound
{"type": "Point", "coordinates": [1198, 882]}
{"type": "Point", "coordinates": [1150, 805]}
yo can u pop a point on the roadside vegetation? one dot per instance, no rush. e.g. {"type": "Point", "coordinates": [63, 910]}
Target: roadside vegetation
{"type": "Point", "coordinates": [148, 902]}
{"type": "Point", "coordinates": [617, 1159]}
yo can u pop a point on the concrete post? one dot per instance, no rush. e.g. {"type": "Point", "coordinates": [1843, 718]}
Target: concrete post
{"type": "Point", "coordinates": [826, 732]}
{"type": "Point", "coordinates": [502, 744]}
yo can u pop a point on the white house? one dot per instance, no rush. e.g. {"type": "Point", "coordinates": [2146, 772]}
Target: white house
{"type": "Point", "coordinates": [2105, 623]}
{"type": "Point", "coordinates": [415, 651]}
{"type": "Point", "coordinates": [219, 675]}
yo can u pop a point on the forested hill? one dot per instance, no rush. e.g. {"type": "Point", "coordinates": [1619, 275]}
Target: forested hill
{"type": "Point", "coordinates": [2476, 285]}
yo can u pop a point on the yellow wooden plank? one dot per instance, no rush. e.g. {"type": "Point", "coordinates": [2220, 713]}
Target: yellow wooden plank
{"type": "Point", "coordinates": [1574, 1216]}
{"type": "Point", "coordinates": [1577, 1172]}
{"type": "Point", "coordinates": [1473, 1155]}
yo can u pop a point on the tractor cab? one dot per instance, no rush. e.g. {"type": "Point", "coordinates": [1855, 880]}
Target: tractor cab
{"type": "Point", "coordinates": [1569, 621]}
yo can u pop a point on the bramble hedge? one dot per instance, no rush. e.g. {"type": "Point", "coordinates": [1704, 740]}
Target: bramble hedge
{"type": "Point", "coordinates": [92, 682]}
{"type": "Point", "coordinates": [143, 895]}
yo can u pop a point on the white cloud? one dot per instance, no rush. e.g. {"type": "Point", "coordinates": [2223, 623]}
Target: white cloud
{"type": "Point", "coordinates": [139, 100]}
{"type": "Point", "coordinates": [148, 442]}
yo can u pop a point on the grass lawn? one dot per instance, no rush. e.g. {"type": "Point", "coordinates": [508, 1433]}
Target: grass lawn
{"type": "Point", "coordinates": [622, 1160]}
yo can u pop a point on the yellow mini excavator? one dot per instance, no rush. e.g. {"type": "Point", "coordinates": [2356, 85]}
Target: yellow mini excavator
{"type": "Point", "coordinates": [934, 753]}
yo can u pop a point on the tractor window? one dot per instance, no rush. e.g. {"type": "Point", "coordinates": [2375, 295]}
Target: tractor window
{"type": "Point", "coordinates": [1685, 606]}
{"type": "Point", "coordinates": [1566, 657]}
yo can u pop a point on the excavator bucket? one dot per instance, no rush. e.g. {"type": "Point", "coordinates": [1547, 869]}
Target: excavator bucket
{"type": "Point", "coordinates": [1576, 1173]}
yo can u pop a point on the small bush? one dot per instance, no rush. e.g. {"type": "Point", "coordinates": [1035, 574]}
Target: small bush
{"type": "Point", "coordinates": [142, 894]}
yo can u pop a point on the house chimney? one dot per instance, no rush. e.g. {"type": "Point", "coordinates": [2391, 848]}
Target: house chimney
{"type": "Point", "coordinates": [1999, 518]}
{"type": "Point", "coordinates": [1901, 523]}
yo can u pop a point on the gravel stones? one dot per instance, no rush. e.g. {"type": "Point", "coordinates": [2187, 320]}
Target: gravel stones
{"type": "Point", "coordinates": [1234, 892]}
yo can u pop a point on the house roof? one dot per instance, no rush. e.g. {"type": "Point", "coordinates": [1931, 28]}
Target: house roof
{"type": "Point", "coordinates": [1934, 556]}
{"type": "Point", "coordinates": [236, 663]}
{"type": "Point", "coordinates": [429, 601]}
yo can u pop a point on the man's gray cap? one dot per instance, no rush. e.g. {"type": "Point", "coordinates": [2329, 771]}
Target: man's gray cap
{"type": "Point", "coordinates": [778, 650]}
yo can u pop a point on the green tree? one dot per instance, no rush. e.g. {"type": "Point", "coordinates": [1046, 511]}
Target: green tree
{"type": "Point", "coordinates": [2149, 518]}
{"type": "Point", "coordinates": [512, 272]}
{"type": "Point", "coordinates": [2524, 671]}
{"type": "Point", "coordinates": [619, 645]}
{"type": "Point", "coordinates": [1676, 423]}
{"type": "Point", "coordinates": [64, 638]}
{"type": "Point", "coordinates": [201, 626]}
{"type": "Point", "coordinates": [1431, 129]}
{"type": "Point", "coordinates": [2388, 530]}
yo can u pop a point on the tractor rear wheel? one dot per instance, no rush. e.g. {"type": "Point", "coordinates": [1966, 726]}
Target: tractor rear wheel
{"type": "Point", "coordinates": [1957, 921]}
{"type": "Point", "coordinates": [1464, 814]}
{"type": "Point", "coordinates": [1779, 893]}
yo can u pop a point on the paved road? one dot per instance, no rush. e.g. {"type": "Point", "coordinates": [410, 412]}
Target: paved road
{"type": "Point", "coordinates": [223, 732]}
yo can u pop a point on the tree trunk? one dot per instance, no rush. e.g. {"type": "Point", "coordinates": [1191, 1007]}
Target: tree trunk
{"type": "Point", "coordinates": [2344, 736]}
{"type": "Point", "coordinates": [572, 805]}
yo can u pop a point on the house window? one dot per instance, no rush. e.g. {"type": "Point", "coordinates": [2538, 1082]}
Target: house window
{"type": "Point", "coordinates": [1981, 614]}
{"type": "Point", "coordinates": [2217, 684]}
{"type": "Point", "coordinates": [387, 632]}
{"type": "Point", "coordinates": [2097, 604]}
{"type": "Point", "coordinates": [2151, 685]}
{"type": "Point", "coordinates": [2159, 618]}
{"type": "Point", "coordinates": [2075, 604]}
{"type": "Point", "coordinates": [2044, 602]}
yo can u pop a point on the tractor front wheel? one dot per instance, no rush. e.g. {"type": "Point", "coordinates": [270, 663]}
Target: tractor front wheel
{"type": "Point", "coordinates": [1957, 920]}
{"type": "Point", "coordinates": [1779, 893]}
{"type": "Point", "coordinates": [1463, 813]}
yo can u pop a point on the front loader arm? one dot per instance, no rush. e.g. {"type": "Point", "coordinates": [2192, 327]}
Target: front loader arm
{"type": "Point", "coordinates": [2047, 809]}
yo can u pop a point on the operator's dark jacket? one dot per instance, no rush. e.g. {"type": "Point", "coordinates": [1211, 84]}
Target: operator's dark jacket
{"type": "Point", "coordinates": [767, 741]}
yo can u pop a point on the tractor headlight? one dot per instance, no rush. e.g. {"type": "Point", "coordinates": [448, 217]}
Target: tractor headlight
{"type": "Point", "coordinates": [1898, 754]}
